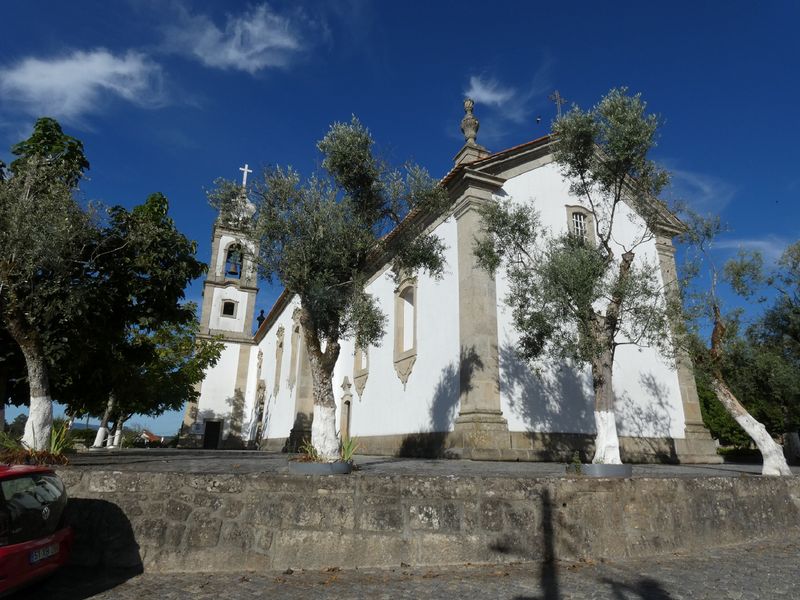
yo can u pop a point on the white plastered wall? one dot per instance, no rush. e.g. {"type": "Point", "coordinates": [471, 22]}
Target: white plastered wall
{"type": "Point", "coordinates": [225, 323]}
{"type": "Point", "coordinates": [429, 400]}
{"type": "Point", "coordinates": [279, 410]}
{"type": "Point", "coordinates": [560, 398]}
{"type": "Point", "coordinates": [218, 388]}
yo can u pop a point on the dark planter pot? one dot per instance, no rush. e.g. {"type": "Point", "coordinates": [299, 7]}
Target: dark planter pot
{"type": "Point", "coordinates": [600, 470]}
{"type": "Point", "coordinates": [316, 468]}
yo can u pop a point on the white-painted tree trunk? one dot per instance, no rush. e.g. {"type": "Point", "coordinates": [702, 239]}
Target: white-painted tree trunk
{"type": "Point", "coordinates": [118, 433]}
{"type": "Point", "coordinates": [607, 441]}
{"type": "Point", "coordinates": [102, 431]}
{"type": "Point", "coordinates": [100, 437]}
{"type": "Point", "coordinates": [324, 437]}
{"type": "Point", "coordinates": [39, 423]}
{"type": "Point", "coordinates": [772, 453]}
{"type": "Point", "coordinates": [40, 413]}
{"type": "Point", "coordinates": [323, 432]}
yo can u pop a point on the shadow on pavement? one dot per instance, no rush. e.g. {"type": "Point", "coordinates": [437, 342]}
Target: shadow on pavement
{"type": "Point", "coordinates": [75, 583]}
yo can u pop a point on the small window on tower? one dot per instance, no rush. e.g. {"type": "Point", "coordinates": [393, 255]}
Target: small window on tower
{"type": "Point", "coordinates": [228, 309]}
{"type": "Point", "coordinates": [233, 262]}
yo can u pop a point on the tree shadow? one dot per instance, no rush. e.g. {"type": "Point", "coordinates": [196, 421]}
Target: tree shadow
{"type": "Point", "coordinates": [548, 568]}
{"type": "Point", "coordinates": [104, 553]}
{"type": "Point", "coordinates": [454, 378]}
{"type": "Point", "coordinates": [650, 424]}
{"type": "Point", "coordinates": [555, 402]}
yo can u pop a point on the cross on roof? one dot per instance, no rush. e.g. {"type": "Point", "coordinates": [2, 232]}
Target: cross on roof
{"type": "Point", "coordinates": [559, 100]}
{"type": "Point", "coordinates": [245, 171]}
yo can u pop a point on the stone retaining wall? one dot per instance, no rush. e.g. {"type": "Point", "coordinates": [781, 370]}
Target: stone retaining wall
{"type": "Point", "coordinates": [184, 522]}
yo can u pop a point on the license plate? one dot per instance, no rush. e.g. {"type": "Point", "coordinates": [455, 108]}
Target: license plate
{"type": "Point", "coordinates": [42, 553]}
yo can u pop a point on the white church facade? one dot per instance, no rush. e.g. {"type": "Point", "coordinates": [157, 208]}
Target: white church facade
{"type": "Point", "coordinates": [446, 379]}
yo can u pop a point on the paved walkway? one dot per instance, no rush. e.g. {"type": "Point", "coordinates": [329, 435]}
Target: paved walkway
{"type": "Point", "coordinates": [218, 461]}
{"type": "Point", "coordinates": [758, 570]}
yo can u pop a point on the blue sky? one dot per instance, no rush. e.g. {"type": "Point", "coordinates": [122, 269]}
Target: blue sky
{"type": "Point", "coordinates": [167, 96]}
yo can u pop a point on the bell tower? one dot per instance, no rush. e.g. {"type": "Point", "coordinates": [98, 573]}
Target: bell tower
{"type": "Point", "coordinates": [229, 299]}
{"type": "Point", "coordinates": [229, 292]}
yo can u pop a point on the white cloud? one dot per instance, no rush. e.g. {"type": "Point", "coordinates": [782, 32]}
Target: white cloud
{"type": "Point", "coordinates": [488, 91]}
{"type": "Point", "coordinates": [70, 86]}
{"type": "Point", "coordinates": [252, 41]}
{"type": "Point", "coordinates": [701, 192]}
{"type": "Point", "coordinates": [770, 246]}
{"type": "Point", "coordinates": [509, 109]}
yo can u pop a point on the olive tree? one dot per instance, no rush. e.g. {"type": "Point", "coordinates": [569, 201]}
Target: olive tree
{"type": "Point", "coordinates": [580, 295]}
{"type": "Point", "coordinates": [321, 237]}
{"type": "Point", "coordinates": [704, 308]}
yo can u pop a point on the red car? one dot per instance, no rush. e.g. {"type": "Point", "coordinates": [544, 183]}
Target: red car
{"type": "Point", "coordinates": [33, 540]}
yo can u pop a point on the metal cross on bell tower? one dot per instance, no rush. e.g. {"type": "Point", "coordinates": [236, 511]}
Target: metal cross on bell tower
{"type": "Point", "coordinates": [559, 101]}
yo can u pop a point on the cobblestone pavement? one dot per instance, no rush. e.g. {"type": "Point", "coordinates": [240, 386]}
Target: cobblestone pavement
{"type": "Point", "coordinates": [753, 571]}
{"type": "Point", "coordinates": [216, 461]}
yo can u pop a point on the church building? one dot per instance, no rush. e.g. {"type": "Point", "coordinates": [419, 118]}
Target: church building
{"type": "Point", "coordinates": [446, 380]}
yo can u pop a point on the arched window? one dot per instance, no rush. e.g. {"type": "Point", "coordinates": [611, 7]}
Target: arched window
{"type": "Point", "coordinates": [233, 262]}
{"type": "Point", "coordinates": [405, 328]}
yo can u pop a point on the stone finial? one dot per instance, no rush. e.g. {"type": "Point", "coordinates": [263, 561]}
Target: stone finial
{"type": "Point", "coordinates": [469, 124]}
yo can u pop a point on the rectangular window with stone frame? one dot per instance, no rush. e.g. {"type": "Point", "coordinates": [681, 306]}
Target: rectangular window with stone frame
{"type": "Point", "coordinates": [580, 223]}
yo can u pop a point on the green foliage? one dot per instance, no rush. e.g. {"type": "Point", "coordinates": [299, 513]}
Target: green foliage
{"type": "Point", "coordinates": [309, 452]}
{"type": "Point", "coordinates": [61, 440]}
{"type": "Point", "coordinates": [64, 272]}
{"type": "Point", "coordinates": [571, 298]}
{"type": "Point", "coordinates": [320, 237]}
{"type": "Point", "coordinates": [719, 422]}
{"type": "Point", "coordinates": [349, 448]}
{"type": "Point", "coordinates": [51, 145]}
{"type": "Point", "coordinates": [760, 362]}
{"type": "Point", "coordinates": [603, 152]}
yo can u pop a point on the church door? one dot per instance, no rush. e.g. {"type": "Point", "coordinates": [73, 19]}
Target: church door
{"type": "Point", "coordinates": [212, 434]}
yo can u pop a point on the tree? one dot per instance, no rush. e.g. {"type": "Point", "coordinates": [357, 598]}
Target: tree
{"type": "Point", "coordinates": [579, 296]}
{"type": "Point", "coordinates": [63, 273]}
{"type": "Point", "coordinates": [44, 236]}
{"type": "Point", "coordinates": [145, 344]}
{"type": "Point", "coordinates": [723, 352]}
{"type": "Point", "coordinates": [320, 238]}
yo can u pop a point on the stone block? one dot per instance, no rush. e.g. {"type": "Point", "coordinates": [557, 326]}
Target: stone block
{"type": "Point", "coordinates": [321, 512]}
{"type": "Point", "coordinates": [434, 517]}
{"type": "Point", "coordinates": [203, 532]}
{"type": "Point", "coordinates": [236, 536]}
{"type": "Point", "coordinates": [219, 483]}
{"type": "Point", "coordinates": [231, 508]}
{"type": "Point", "coordinates": [491, 515]}
{"type": "Point", "coordinates": [150, 532]}
{"type": "Point", "coordinates": [440, 487]}
{"type": "Point", "coordinates": [267, 510]}
{"type": "Point", "coordinates": [378, 513]}
{"type": "Point", "coordinates": [174, 534]}
{"type": "Point", "coordinates": [178, 511]}
{"type": "Point", "coordinates": [320, 549]}
{"type": "Point", "coordinates": [452, 549]}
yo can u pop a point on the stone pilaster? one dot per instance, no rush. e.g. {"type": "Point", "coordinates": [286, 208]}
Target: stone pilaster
{"type": "Point", "coordinates": [698, 445]}
{"type": "Point", "coordinates": [480, 424]}
{"type": "Point", "coordinates": [304, 394]}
